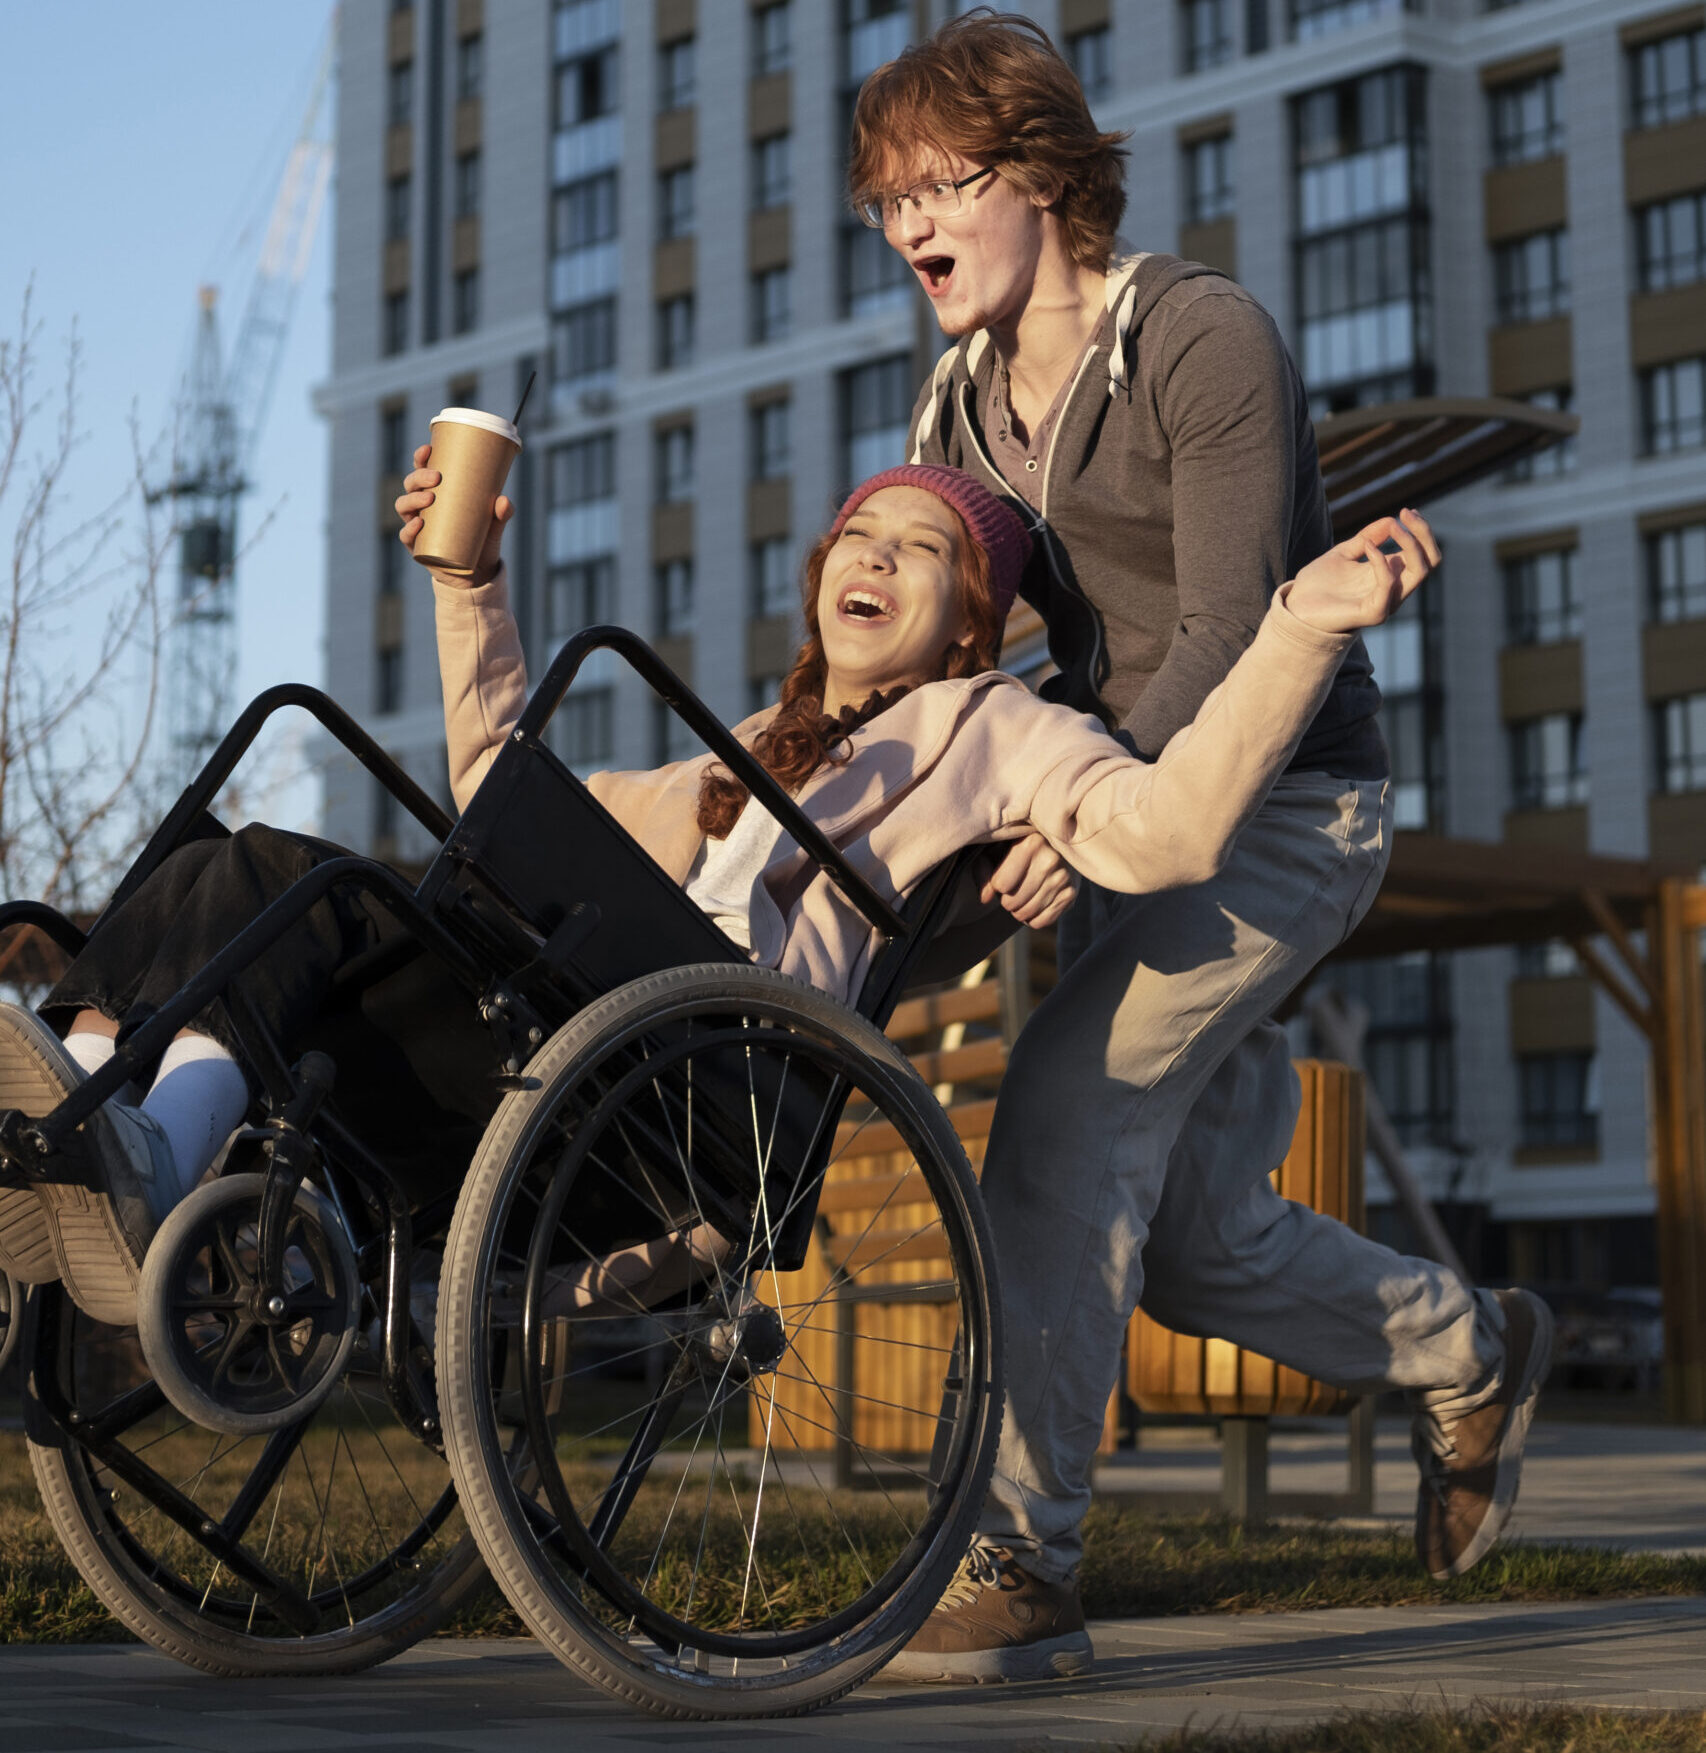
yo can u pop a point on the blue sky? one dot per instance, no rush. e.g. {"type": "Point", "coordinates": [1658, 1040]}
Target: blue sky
{"type": "Point", "coordinates": [133, 142]}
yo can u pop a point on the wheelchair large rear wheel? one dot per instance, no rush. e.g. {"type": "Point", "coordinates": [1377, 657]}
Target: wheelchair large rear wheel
{"type": "Point", "coordinates": [320, 1548]}
{"type": "Point", "coordinates": [723, 1263]}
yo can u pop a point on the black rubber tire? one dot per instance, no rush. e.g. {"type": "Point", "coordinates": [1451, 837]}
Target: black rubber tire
{"type": "Point", "coordinates": [163, 1342]}
{"type": "Point", "coordinates": [143, 1591]}
{"type": "Point", "coordinates": [484, 1472]}
{"type": "Point", "coordinates": [11, 1316]}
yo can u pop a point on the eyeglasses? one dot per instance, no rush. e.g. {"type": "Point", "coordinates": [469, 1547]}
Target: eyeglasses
{"type": "Point", "coordinates": [933, 200]}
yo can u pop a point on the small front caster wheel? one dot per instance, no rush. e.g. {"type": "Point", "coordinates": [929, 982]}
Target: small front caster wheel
{"type": "Point", "coordinates": [228, 1355]}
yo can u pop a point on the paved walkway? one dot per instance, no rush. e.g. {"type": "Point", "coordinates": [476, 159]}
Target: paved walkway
{"type": "Point", "coordinates": [1151, 1675]}
{"type": "Point", "coordinates": [1630, 1485]}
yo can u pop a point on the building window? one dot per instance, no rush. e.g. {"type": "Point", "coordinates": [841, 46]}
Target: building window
{"type": "Point", "coordinates": [674, 599]}
{"type": "Point", "coordinates": [1091, 53]}
{"type": "Point", "coordinates": [584, 213]}
{"type": "Point", "coordinates": [580, 596]}
{"type": "Point", "coordinates": [1208, 180]}
{"type": "Point", "coordinates": [1676, 573]}
{"type": "Point", "coordinates": [874, 32]}
{"type": "Point", "coordinates": [388, 676]}
{"type": "Point", "coordinates": [762, 691]}
{"type": "Point", "coordinates": [1407, 1050]}
{"type": "Point", "coordinates": [675, 465]}
{"type": "Point", "coordinates": [772, 172]}
{"type": "Point", "coordinates": [1541, 606]}
{"type": "Point", "coordinates": [775, 591]}
{"type": "Point", "coordinates": [470, 66]}
{"type": "Point", "coordinates": [1667, 79]}
{"type": "Point", "coordinates": [583, 471]}
{"type": "Point", "coordinates": [1531, 277]}
{"type": "Point", "coordinates": [875, 276]}
{"type": "Point", "coordinates": [1319, 18]}
{"type": "Point", "coordinates": [772, 304]}
{"type": "Point", "coordinates": [675, 332]}
{"type": "Point", "coordinates": [397, 209]}
{"type": "Point", "coordinates": [1548, 762]}
{"type": "Point", "coordinates": [588, 87]}
{"type": "Point", "coordinates": [393, 557]}
{"type": "Point", "coordinates": [1673, 406]}
{"type": "Point", "coordinates": [771, 450]}
{"type": "Point", "coordinates": [772, 40]}
{"type": "Point", "coordinates": [583, 732]}
{"type": "Point", "coordinates": [1364, 287]}
{"type": "Point", "coordinates": [396, 322]}
{"type": "Point", "coordinates": [1526, 119]}
{"type": "Point", "coordinates": [1670, 243]}
{"type": "Point", "coordinates": [1553, 960]}
{"type": "Point", "coordinates": [1680, 729]}
{"type": "Point", "coordinates": [1406, 658]}
{"type": "Point", "coordinates": [1206, 27]}
{"type": "Point", "coordinates": [583, 341]}
{"type": "Point", "coordinates": [677, 74]}
{"type": "Point", "coordinates": [394, 442]}
{"type": "Point", "coordinates": [876, 404]}
{"type": "Point", "coordinates": [465, 301]}
{"type": "Point", "coordinates": [400, 95]}
{"type": "Point", "coordinates": [675, 202]}
{"type": "Point", "coordinates": [467, 185]}
{"type": "Point", "coordinates": [1557, 459]}
{"type": "Point", "coordinates": [1560, 1099]}
{"type": "Point", "coordinates": [672, 740]}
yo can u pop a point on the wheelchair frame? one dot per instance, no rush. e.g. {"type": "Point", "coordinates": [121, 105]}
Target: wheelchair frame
{"type": "Point", "coordinates": [529, 963]}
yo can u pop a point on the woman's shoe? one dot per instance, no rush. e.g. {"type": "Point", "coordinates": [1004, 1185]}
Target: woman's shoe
{"type": "Point", "coordinates": [36, 1075]}
{"type": "Point", "coordinates": [93, 1235]}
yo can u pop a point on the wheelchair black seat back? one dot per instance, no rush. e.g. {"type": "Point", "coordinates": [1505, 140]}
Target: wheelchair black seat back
{"type": "Point", "coordinates": [701, 1175]}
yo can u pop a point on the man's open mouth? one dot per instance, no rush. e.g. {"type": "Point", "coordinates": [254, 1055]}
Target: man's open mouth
{"type": "Point", "coordinates": [934, 271]}
{"type": "Point", "coordinates": [866, 605]}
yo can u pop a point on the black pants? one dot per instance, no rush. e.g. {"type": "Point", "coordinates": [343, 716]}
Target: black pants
{"type": "Point", "coordinates": [415, 1063]}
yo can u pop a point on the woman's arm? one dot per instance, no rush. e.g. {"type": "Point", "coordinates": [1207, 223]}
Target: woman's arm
{"type": "Point", "coordinates": [480, 661]}
{"type": "Point", "coordinates": [1137, 827]}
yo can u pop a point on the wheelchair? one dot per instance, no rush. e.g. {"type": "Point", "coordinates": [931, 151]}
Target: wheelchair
{"type": "Point", "coordinates": [720, 1446]}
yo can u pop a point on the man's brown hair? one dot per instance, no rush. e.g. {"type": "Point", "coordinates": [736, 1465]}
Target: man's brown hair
{"type": "Point", "coordinates": [992, 87]}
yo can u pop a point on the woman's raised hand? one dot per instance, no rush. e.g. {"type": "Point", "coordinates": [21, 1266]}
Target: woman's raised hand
{"type": "Point", "coordinates": [1355, 584]}
{"type": "Point", "coordinates": [417, 496]}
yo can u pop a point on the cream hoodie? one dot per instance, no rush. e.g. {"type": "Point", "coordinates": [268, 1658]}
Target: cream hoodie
{"type": "Point", "coordinates": [952, 764]}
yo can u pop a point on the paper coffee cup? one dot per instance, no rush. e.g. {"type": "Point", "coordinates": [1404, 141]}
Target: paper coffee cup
{"type": "Point", "coordinates": [472, 450]}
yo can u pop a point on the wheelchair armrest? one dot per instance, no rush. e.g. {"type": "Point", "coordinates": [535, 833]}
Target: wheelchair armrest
{"type": "Point", "coordinates": [698, 717]}
{"type": "Point", "coordinates": [219, 766]}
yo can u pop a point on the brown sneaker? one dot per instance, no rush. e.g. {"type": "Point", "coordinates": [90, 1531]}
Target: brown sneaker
{"type": "Point", "coordinates": [995, 1621]}
{"type": "Point", "coordinates": [1471, 1469]}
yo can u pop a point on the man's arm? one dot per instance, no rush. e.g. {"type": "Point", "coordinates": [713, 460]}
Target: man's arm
{"type": "Point", "coordinates": [1227, 403]}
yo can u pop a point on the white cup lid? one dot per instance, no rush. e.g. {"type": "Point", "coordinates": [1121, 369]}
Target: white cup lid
{"type": "Point", "coordinates": [478, 417]}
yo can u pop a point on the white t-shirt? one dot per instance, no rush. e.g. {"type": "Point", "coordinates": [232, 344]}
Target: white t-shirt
{"type": "Point", "coordinates": [720, 882]}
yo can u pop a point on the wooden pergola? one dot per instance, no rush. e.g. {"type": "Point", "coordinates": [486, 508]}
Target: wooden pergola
{"type": "Point", "coordinates": [1443, 894]}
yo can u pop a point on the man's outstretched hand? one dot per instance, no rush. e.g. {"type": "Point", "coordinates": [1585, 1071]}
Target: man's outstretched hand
{"type": "Point", "coordinates": [417, 496]}
{"type": "Point", "coordinates": [1033, 882]}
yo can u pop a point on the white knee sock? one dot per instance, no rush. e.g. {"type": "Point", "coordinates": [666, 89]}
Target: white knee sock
{"type": "Point", "coordinates": [199, 1096]}
{"type": "Point", "coordinates": [89, 1050]}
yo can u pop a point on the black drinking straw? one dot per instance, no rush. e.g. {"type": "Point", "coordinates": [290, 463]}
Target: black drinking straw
{"type": "Point", "coordinates": [524, 395]}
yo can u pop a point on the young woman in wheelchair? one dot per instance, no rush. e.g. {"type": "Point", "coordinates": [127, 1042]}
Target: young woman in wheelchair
{"type": "Point", "coordinates": [894, 731]}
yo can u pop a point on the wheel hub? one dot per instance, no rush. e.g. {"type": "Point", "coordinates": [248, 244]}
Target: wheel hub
{"type": "Point", "coordinates": [749, 1342]}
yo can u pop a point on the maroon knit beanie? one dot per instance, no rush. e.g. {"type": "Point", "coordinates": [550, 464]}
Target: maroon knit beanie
{"type": "Point", "coordinates": [996, 528]}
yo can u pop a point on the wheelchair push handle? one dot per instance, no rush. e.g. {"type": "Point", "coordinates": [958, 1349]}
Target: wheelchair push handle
{"type": "Point", "coordinates": [704, 723]}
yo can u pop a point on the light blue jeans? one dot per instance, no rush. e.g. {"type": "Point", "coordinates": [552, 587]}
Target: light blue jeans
{"type": "Point", "coordinates": [1147, 1101]}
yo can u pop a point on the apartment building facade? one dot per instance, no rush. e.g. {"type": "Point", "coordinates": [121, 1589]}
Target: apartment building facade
{"type": "Point", "coordinates": [643, 203]}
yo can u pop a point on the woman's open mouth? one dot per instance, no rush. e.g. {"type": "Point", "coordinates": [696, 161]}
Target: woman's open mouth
{"type": "Point", "coordinates": [935, 272]}
{"type": "Point", "coordinates": [865, 605]}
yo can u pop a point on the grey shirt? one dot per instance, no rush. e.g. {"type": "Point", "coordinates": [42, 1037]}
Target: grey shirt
{"type": "Point", "coordinates": [1179, 489]}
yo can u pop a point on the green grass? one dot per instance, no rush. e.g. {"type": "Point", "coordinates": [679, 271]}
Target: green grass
{"type": "Point", "coordinates": [1496, 1729]}
{"type": "Point", "coordinates": [1134, 1564]}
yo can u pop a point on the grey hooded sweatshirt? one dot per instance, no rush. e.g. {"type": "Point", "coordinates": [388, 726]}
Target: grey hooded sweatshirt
{"type": "Point", "coordinates": [1179, 489]}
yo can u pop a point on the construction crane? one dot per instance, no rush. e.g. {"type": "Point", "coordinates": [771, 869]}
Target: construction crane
{"type": "Point", "coordinates": [226, 404]}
